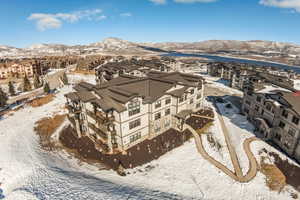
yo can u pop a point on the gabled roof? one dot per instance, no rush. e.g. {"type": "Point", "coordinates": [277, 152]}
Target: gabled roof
{"type": "Point", "coordinates": [117, 92]}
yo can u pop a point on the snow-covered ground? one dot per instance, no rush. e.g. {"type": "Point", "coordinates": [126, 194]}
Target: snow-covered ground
{"type": "Point", "coordinates": [27, 172]}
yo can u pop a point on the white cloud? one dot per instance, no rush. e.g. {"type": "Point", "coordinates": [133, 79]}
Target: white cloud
{"type": "Point", "coordinates": [289, 4]}
{"type": "Point", "coordinates": [159, 2]}
{"type": "Point", "coordinates": [127, 14]}
{"type": "Point", "coordinates": [46, 21]}
{"type": "Point", "coordinates": [194, 1]}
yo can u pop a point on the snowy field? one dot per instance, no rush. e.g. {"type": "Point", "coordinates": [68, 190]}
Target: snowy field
{"type": "Point", "coordinates": [29, 173]}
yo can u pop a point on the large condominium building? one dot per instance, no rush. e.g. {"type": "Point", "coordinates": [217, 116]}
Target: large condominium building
{"type": "Point", "coordinates": [134, 67]}
{"type": "Point", "coordinates": [240, 75]}
{"type": "Point", "coordinates": [126, 110]}
{"type": "Point", "coordinates": [276, 113]}
{"type": "Point", "coordinates": [18, 69]}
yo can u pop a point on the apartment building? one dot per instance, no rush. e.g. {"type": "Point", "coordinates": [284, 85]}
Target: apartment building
{"type": "Point", "coordinates": [17, 70]}
{"type": "Point", "coordinates": [133, 67]}
{"type": "Point", "coordinates": [275, 112]}
{"type": "Point", "coordinates": [127, 110]}
{"type": "Point", "coordinates": [240, 75]}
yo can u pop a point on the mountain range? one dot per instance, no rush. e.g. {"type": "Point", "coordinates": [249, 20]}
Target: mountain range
{"type": "Point", "coordinates": [119, 46]}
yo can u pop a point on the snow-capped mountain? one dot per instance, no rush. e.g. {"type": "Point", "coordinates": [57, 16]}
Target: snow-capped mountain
{"type": "Point", "coordinates": [119, 46]}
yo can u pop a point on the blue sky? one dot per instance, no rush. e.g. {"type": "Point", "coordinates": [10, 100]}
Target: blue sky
{"type": "Point", "coordinates": [26, 22]}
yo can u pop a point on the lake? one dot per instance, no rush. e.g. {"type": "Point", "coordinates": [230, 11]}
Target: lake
{"type": "Point", "coordinates": [239, 60]}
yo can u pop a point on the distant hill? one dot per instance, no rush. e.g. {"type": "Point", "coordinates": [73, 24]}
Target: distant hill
{"type": "Point", "coordinates": [119, 46]}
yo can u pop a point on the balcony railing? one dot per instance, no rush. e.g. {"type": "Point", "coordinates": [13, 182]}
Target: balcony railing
{"type": "Point", "coordinates": [99, 132]}
{"type": "Point", "coordinates": [73, 109]}
{"type": "Point", "coordinates": [100, 145]}
{"type": "Point", "coordinates": [98, 116]}
{"type": "Point", "coordinates": [72, 120]}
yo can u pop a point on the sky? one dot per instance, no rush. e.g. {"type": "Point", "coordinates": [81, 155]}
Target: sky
{"type": "Point", "coordinates": [27, 22]}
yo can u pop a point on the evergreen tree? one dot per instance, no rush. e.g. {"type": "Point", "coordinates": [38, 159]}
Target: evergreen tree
{"type": "Point", "coordinates": [36, 81]}
{"type": "Point", "coordinates": [11, 88]}
{"type": "Point", "coordinates": [26, 84]}
{"type": "Point", "coordinates": [65, 79]}
{"type": "Point", "coordinates": [3, 98]}
{"type": "Point", "coordinates": [46, 88]}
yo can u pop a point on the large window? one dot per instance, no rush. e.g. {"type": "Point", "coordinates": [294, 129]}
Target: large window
{"type": "Point", "coordinates": [157, 104]}
{"type": "Point", "coordinates": [168, 101]}
{"type": "Point", "coordinates": [192, 91]}
{"type": "Point", "coordinates": [167, 112]}
{"type": "Point", "coordinates": [157, 116]}
{"type": "Point", "coordinates": [134, 108]}
{"type": "Point", "coordinates": [191, 101]}
{"type": "Point", "coordinates": [295, 120]}
{"type": "Point", "coordinates": [281, 124]}
{"type": "Point", "coordinates": [258, 99]}
{"type": "Point", "coordinates": [292, 132]}
{"type": "Point", "coordinates": [285, 113]}
{"type": "Point", "coordinates": [135, 137]}
{"type": "Point", "coordinates": [268, 107]}
{"type": "Point", "coordinates": [134, 123]}
{"type": "Point", "coordinates": [278, 136]}
{"type": "Point", "coordinates": [181, 99]}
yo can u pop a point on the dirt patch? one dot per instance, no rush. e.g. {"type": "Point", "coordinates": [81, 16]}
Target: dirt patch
{"type": "Point", "coordinates": [137, 155]}
{"type": "Point", "coordinates": [40, 101]}
{"type": "Point", "coordinates": [201, 124]}
{"type": "Point", "coordinates": [289, 170]}
{"type": "Point", "coordinates": [45, 129]}
{"type": "Point", "coordinates": [275, 179]}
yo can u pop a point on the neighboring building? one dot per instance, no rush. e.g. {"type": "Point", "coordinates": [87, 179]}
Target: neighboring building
{"type": "Point", "coordinates": [133, 67]}
{"type": "Point", "coordinates": [126, 110]}
{"type": "Point", "coordinates": [276, 114]}
{"type": "Point", "coordinates": [18, 70]}
{"type": "Point", "coordinates": [240, 75]}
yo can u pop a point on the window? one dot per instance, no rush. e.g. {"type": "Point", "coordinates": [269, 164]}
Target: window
{"type": "Point", "coordinates": [157, 129]}
{"type": "Point", "coordinates": [198, 105]}
{"type": "Point", "coordinates": [281, 124]}
{"type": "Point", "coordinates": [287, 145]}
{"type": "Point", "coordinates": [157, 116]}
{"type": "Point", "coordinates": [167, 123]}
{"type": "Point", "coordinates": [134, 107]}
{"type": "Point", "coordinates": [248, 102]}
{"type": "Point", "coordinates": [256, 108]}
{"type": "Point", "coordinates": [191, 101]}
{"type": "Point", "coordinates": [157, 104]}
{"type": "Point", "coordinates": [134, 124]}
{"type": "Point", "coordinates": [135, 137]}
{"type": "Point", "coordinates": [198, 96]}
{"type": "Point", "coordinates": [278, 136]}
{"type": "Point", "coordinates": [168, 101]}
{"type": "Point", "coordinates": [167, 112]}
{"type": "Point", "coordinates": [268, 107]}
{"type": "Point", "coordinates": [292, 132]}
{"type": "Point", "coordinates": [246, 110]}
{"type": "Point", "coordinates": [181, 99]}
{"type": "Point", "coordinates": [83, 128]}
{"type": "Point", "coordinates": [192, 91]}
{"type": "Point", "coordinates": [284, 113]}
{"type": "Point", "coordinates": [258, 99]}
{"type": "Point", "coordinates": [295, 120]}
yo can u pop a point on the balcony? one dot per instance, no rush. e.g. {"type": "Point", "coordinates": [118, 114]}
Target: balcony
{"type": "Point", "coordinates": [99, 145]}
{"type": "Point", "coordinates": [72, 120]}
{"type": "Point", "coordinates": [103, 135]}
{"type": "Point", "coordinates": [98, 116]}
{"type": "Point", "coordinates": [73, 109]}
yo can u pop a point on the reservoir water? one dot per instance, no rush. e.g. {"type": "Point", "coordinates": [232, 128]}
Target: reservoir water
{"type": "Point", "coordinates": [239, 60]}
